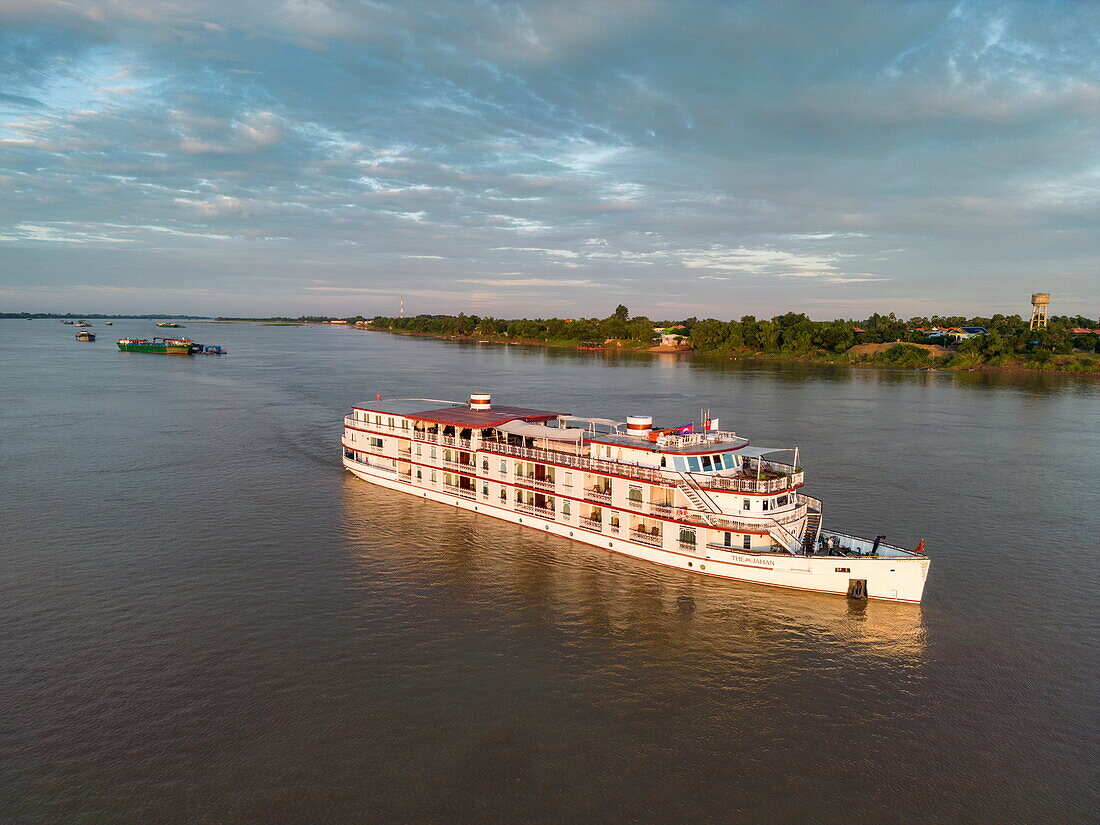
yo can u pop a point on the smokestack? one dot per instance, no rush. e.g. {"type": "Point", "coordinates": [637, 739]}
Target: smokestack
{"type": "Point", "coordinates": [480, 401]}
{"type": "Point", "coordinates": [639, 425]}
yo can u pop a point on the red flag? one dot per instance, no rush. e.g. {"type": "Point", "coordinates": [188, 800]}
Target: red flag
{"type": "Point", "coordinates": [685, 430]}
{"type": "Point", "coordinates": [920, 547]}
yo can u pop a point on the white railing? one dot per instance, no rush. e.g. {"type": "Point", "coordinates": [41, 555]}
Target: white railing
{"type": "Point", "coordinates": [445, 440]}
{"type": "Point", "coordinates": [596, 465]}
{"type": "Point", "coordinates": [592, 524]}
{"type": "Point", "coordinates": [659, 509]}
{"type": "Point", "coordinates": [695, 439]}
{"type": "Point", "coordinates": [645, 537]}
{"type": "Point", "coordinates": [370, 464]}
{"type": "Point", "coordinates": [598, 495]}
{"type": "Point", "coordinates": [352, 421]}
{"type": "Point", "coordinates": [531, 481]}
{"type": "Point", "coordinates": [544, 512]}
{"type": "Point", "coordinates": [454, 489]}
{"type": "Point", "coordinates": [812, 503]}
{"type": "Point", "coordinates": [792, 477]}
{"type": "Point", "coordinates": [688, 547]}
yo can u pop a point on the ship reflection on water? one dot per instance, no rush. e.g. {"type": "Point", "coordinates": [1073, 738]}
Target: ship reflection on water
{"type": "Point", "coordinates": [476, 569]}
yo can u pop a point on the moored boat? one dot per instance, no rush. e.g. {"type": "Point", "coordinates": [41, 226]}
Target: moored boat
{"type": "Point", "coordinates": [85, 335]}
{"type": "Point", "coordinates": [692, 497]}
{"type": "Point", "coordinates": [168, 324]}
{"type": "Point", "coordinates": [163, 346]}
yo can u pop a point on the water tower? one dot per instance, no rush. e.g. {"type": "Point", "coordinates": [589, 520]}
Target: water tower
{"type": "Point", "coordinates": [1039, 303]}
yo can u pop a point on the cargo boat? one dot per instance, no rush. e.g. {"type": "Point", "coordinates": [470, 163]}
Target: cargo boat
{"type": "Point", "coordinates": [163, 346]}
{"type": "Point", "coordinates": [85, 335]}
{"type": "Point", "coordinates": [694, 497]}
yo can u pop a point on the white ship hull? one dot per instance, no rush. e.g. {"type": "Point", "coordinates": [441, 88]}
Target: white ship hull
{"type": "Point", "coordinates": [899, 579]}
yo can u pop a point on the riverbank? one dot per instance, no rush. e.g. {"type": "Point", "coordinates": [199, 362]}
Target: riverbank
{"type": "Point", "coordinates": [934, 358]}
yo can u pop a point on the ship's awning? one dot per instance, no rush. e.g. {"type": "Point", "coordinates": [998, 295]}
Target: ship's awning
{"type": "Point", "coordinates": [571, 434]}
{"type": "Point", "coordinates": [760, 452]}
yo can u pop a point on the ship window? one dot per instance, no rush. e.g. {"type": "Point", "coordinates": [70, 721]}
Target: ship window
{"type": "Point", "coordinates": [503, 494]}
{"type": "Point", "coordinates": [567, 479]}
{"type": "Point", "coordinates": [693, 463]}
{"type": "Point", "coordinates": [634, 494]}
{"type": "Point", "coordinates": [764, 504]}
{"type": "Point", "coordinates": [433, 452]}
{"type": "Point", "coordinates": [746, 542]}
{"type": "Point", "coordinates": [353, 436]}
{"type": "Point", "coordinates": [779, 502]}
{"type": "Point", "coordinates": [485, 464]}
{"type": "Point", "coordinates": [378, 419]}
{"type": "Point", "coordinates": [687, 536]}
{"type": "Point", "coordinates": [747, 504]}
{"type": "Point", "coordinates": [565, 508]}
{"type": "Point", "coordinates": [419, 450]}
{"type": "Point", "coordinates": [844, 570]}
{"type": "Point", "coordinates": [419, 475]}
{"type": "Point", "coordinates": [376, 442]}
{"type": "Point", "coordinates": [433, 476]}
{"type": "Point", "coordinates": [730, 463]}
{"type": "Point", "coordinates": [614, 521]}
{"type": "Point", "coordinates": [484, 490]}
{"type": "Point", "coordinates": [706, 463]}
{"type": "Point", "coordinates": [390, 420]}
{"type": "Point", "coordinates": [503, 466]}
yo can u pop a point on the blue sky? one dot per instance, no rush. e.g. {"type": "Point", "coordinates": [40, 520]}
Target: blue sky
{"type": "Point", "coordinates": [549, 158]}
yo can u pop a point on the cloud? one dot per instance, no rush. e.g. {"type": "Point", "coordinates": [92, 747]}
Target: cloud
{"type": "Point", "coordinates": [765, 158]}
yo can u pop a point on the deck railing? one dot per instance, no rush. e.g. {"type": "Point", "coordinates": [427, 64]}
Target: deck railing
{"type": "Point", "coordinates": [455, 490]}
{"type": "Point", "coordinates": [531, 481]}
{"type": "Point", "coordinates": [544, 512]}
{"type": "Point", "coordinates": [596, 465]}
{"type": "Point", "coordinates": [592, 524]}
{"type": "Point", "coordinates": [792, 477]}
{"type": "Point", "coordinates": [645, 537]}
{"type": "Point", "coordinates": [598, 495]}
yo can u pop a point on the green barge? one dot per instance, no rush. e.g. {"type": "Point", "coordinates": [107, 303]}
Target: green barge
{"type": "Point", "coordinates": [163, 346]}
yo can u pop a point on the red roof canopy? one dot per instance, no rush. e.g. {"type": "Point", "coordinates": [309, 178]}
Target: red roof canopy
{"type": "Point", "coordinates": [480, 419]}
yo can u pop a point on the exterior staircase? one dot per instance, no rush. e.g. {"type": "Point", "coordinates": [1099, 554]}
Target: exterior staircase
{"type": "Point", "coordinates": [695, 494]}
{"type": "Point", "coordinates": [813, 530]}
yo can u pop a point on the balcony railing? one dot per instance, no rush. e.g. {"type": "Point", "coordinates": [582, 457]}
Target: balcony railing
{"type": "Point", "coordinates": [596, 465]}
{"type": "Point", "coordinates": [601, 496]}
{"type": "Point", "coordinates": [645, 537]}
{"type": "Point", "coordinates": [696, 439]}
{"type": "Point", "coordinates": [370, 464]}
{"type": "Point", "coordinates": [445, 440]}
{"type": "Point", "coordinates": [792, 477]}
{"type": "Point", "coordinates": [688, 547]}
{"type": "Point", "coordinates": [544, 512]}
{"type": "Point", "coordinates": [454, 489]}
{"type": "Point", "coordinates": [470, 468]}
{"type": "Point", "coordinates": [531, 481]}
{"type": "Point", "coordinates": [661, 509]}
{"type": "Point", "coordinates": [592, 524]}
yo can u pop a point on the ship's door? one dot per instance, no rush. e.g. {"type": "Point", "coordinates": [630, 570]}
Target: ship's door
{"type": "Point", "coordinates": [857, 588]}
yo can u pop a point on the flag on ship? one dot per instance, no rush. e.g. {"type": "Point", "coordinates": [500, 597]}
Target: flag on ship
{"type": "Point", "coordinates": [712, 424]}
{"type": "Point", "coordinates": [686, 429]}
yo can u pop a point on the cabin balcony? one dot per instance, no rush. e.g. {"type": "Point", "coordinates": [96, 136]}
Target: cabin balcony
{"type": "Point", "coordinates": [597, 494]}
{"type": "Point", "coordinates": [592, 524]}
{"type": "Point", "coordinates": [531, 481]}
{"type": "Point", "coordinates": [651, 536]}
{"type": "Point", "coordinates": [535, 510]}
{"type": "Point", "coordinates": [454, 489]}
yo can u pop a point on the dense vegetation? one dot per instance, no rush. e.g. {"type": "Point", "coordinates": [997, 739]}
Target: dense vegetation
{"type": "Point", "coordinates": [794, 335]}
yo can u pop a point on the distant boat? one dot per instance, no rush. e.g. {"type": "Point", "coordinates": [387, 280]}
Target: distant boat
{"type": "Point", "coordinates": [163, 346]}
{"type": "Point", "coordinates": [82, 323]}
{"type": "Point", "coordinates": [108, 323]}
{"type": "Point", "coordinates": [84, 335]}
{"type": "Point", "coordinates": [67, 322]}
{"type": "Point", "coordinates": [172, 324]}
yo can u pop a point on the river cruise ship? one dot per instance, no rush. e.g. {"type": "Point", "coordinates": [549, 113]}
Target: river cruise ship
{"type": "Point", "coordinates": [695, 497]}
